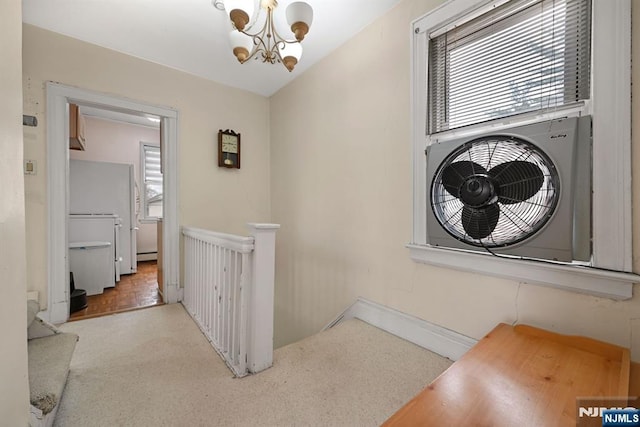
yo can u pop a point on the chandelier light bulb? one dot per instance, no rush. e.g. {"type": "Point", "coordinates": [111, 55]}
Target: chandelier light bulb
{"type": "Point", "coordinates": [241, 45]}
{"type": "Point", "coordinates": [299, 17]}
{"type": "Point", "coordinates": [291, 54]}
{"type": "Point", "coordinates": [240, 12]}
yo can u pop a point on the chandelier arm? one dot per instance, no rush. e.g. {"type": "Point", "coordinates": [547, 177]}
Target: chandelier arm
{"type": "Point", "coordinates": [280, 41]}
{"type": "Point", "coordinates": [272, 36]}
{"type": "Point", "coordinates": [262, 41]}
{"type": "Point", "coordinates": [255, 49]}
{"type": "Point", "coordinates": [258, 45]}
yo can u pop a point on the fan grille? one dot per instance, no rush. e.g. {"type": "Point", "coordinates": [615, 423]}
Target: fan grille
{"type": "Point", "coordinates": [527, 191]}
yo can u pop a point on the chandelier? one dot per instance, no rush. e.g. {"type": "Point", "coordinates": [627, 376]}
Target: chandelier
{"type": "Point", "coordinates": [266, 44]}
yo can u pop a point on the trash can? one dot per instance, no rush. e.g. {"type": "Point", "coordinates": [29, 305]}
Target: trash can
{"type": "Point", "coordinates": [91, 264]}
{"type": "Point", "coordinates": [78, 296]}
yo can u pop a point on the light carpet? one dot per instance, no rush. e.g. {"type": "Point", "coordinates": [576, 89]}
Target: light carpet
{"type": "Point", "coordinates": [153, 367]}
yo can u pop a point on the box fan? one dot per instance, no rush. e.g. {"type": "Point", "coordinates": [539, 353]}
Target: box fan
{"type": "Point", "coordinates": [523, 191]}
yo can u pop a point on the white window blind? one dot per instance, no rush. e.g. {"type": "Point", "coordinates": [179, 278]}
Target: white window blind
{"type": "Point", "coordinates": [152, 180]}
{"type": "Point", "coordinates": [522, 56]}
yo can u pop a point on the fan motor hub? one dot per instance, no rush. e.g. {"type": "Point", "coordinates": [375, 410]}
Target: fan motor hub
{"type": "Point", "coordinates": [478, 191]}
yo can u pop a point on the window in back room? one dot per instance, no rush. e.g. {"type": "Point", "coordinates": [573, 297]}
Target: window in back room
{"type": "Point", "coordinates": [151, 182]}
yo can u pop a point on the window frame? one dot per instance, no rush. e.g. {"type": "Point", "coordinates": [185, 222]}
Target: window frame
{"type": "Point", "coordinates": [521, 16]}
{"type": "Point", "coordinates": [144, 218]}
{"type": "Point", "coordinates": [610, 106]}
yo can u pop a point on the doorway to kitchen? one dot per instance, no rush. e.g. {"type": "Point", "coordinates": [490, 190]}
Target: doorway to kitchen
{"type": "Point", "coordinates": [115, 176]}
{"type": "Point", "coordinates": [58, 99]}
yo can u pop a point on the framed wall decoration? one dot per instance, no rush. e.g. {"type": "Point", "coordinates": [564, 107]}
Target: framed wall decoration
{"type": "Point", "coordinates": [228, 149]}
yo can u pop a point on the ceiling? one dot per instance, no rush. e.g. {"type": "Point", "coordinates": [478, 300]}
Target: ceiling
{"type": "Point", "coordinates": [192, 35]}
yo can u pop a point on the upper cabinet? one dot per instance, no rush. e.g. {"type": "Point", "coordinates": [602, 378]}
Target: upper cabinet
{"type": "Point", "coordinates": [76, 128]}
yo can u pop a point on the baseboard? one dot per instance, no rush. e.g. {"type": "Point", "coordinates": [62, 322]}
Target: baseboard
{"type": "Point", "coordinates": [148, 256]}
{"type": "Point", "coordinates": [442, 341]}
{"type": "Point", "coordinates": [57, 313]}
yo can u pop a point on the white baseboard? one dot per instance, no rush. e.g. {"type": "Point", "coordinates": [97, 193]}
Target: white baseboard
{"type": "Point", "coordinates": [151, 256]}
{"type": "Point", "coordinates": [442, 341]}
{"type": "Point", "coordinates": [57, 314]}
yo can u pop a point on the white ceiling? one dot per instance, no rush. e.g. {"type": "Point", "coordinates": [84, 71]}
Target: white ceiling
{"type": "Point", "coordinates": [192, 35]}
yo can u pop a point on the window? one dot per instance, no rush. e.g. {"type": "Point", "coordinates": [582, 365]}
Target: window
{"type": "Point", "coordinates": [481, 65]}
{"type": "Point", "coordinates": [522, 56]}
{"type": "Point", "coordinates": [151, 197]}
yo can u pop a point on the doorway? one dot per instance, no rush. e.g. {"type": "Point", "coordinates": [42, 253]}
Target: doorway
{"type": "Point", "coordinates": [116, 197]}
{"type": "Point", "coordinates": [58, 98]}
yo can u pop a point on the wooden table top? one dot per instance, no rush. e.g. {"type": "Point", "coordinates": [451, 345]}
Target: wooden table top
{"type": "Point", "coordinates": [519, 376]}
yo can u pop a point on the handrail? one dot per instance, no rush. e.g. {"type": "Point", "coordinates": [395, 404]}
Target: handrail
{"type": "Point", "coordinates": [238, 243]}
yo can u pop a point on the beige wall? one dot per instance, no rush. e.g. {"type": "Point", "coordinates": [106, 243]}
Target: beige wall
{"type": "Point", "coordinates": [118, 142]}
{"type": "Point", "coordinates": [14, 394]}
{"type": "Point", "coordinates": [341, 188]}
{"type": "Point", "coordinates": [209, 197]}
{"type": "Point", "coordinates": [340, 184]}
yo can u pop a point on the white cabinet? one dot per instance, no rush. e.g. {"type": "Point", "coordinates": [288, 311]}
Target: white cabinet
{"type": "Point", "coordinates": [99, 188]}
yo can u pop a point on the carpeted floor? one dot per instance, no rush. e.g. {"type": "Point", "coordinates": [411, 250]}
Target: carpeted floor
{"type": "Point", "coordinates": [153, 367]}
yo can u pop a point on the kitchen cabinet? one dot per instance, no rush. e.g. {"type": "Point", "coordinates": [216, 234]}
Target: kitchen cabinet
{"type": "Point", "coordinates": [76, 128]}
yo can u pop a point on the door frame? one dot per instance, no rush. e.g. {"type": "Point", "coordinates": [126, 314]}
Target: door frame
{"type": "Point", "coordinates": [57, 126]}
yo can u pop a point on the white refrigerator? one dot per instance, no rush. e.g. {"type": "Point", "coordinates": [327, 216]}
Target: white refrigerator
{"type": "Point", "coordinates": [102, 188]}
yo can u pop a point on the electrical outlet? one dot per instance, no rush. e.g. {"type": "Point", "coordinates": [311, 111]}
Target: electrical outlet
{"type": "Point", "coordinates": [30, 167]}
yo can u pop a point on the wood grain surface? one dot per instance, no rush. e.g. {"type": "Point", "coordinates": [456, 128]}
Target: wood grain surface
{"type": "Point", "coordinates": [519, 376]}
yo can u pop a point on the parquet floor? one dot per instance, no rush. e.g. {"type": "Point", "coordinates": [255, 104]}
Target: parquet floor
{"type": "Point", "coordinates": [133, 291]}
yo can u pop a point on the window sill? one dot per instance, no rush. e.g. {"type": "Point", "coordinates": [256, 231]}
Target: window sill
{"type": "Point", "coordinates": [602, 283]}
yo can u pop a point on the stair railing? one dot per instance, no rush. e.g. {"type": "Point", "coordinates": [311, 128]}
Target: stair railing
{"type": "Point", "coordinates": [229, 293]}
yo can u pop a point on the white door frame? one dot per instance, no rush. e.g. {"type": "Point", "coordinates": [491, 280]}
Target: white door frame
{"type": "Point", "coordinates": [58, 97]}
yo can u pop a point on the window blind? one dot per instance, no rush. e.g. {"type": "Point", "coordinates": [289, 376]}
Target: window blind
{"type": "Point", "coordinates": [152, 204]}
{"type": "Point", "coordinates": [152, 174]}
{"type": "Point", "coordinates": [521, 56]}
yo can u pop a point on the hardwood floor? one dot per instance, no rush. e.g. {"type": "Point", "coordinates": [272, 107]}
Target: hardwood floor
{"type": "Point", "coordinates": [133, 291]}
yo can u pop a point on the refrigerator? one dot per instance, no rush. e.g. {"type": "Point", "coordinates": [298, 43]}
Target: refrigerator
{"type": "Point", "coordinates": [103, 188]}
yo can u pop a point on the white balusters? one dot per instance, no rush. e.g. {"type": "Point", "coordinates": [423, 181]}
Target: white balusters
{"type": "Point", "coordinates": [228, 291]}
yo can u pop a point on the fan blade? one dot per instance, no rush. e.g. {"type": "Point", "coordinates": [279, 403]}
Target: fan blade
{"type": "Point", "coordinates": [517, 181]}
{"type": "Point", "coordinates": [454, 175]}
{"type": "Point", "coordinates": [479, 223]}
